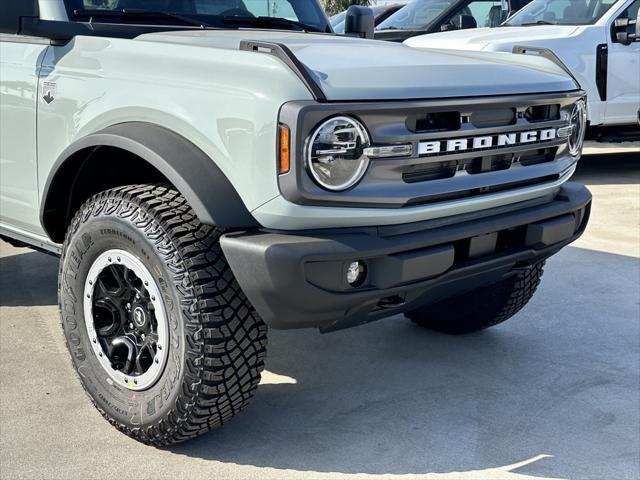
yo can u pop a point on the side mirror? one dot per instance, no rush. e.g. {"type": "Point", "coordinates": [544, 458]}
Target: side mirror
{"type": "Point", "coordinates": [13, 11]}
{"type": "Point", "coordinates": [620, 27]}
{"type": "Point", "coordinates": [359, 22]}
{"type": "Point", "coordinates": [467, 21]}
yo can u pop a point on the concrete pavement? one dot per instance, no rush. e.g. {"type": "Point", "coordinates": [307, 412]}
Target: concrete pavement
{"type": "Point", "coordinates": [553, 393]}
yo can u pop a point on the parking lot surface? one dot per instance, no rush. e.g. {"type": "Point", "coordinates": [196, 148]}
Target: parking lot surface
{"type": "Point", "coordinates": [552, 394]}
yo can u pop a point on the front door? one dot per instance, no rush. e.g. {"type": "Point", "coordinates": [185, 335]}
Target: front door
{"type": "Point", "coordinates": [623, 75]}
{"type": "Point", "coordinates": [20, 59]}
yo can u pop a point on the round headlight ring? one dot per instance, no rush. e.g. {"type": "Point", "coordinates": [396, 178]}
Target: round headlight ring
{"type": "Point", "coordinates": [578, 120]}
{"type": "Point", "coordinates": [335, 155]}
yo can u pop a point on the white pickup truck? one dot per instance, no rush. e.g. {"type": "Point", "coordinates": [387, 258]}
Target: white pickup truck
{"type": "Point", "coordinates": [596, 41]}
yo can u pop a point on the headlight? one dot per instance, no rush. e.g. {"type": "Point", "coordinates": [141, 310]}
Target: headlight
{"type": "Point", "coordinates": [335, 153]}
{"type": "Point", "coordinates": [578, 123]}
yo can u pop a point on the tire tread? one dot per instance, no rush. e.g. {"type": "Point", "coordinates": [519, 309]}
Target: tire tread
{"type": "Point", "coordinates": [225, 338]}
{"type": "Point", "coordinates": [481, 308]}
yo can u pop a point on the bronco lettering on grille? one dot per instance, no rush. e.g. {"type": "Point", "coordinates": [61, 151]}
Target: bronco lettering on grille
{"type": "Point", "coordinates": [488, 141]}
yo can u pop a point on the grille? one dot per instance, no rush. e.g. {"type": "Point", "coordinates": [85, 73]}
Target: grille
{"type": "Point", "coordinates": [461, 147]}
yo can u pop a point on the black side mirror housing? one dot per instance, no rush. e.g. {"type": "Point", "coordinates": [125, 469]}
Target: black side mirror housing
{"type": "Point", "coordinates": [359, 22]}
{"type": "Point", "coordinates": [467, 21]}
{"type": "Point", "coordinates": [13, 13]}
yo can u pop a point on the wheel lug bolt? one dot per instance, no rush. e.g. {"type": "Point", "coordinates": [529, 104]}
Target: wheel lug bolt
{"type": "Point", "coordinates": [109, 259]}
{"type": "Point", "coordinates": [159, 347]}
{"type": "Point", "coordinates": [100, 354]}
{"type": "Point", "coordinates": [157, 361]}
{"type": "Point", "coordinates": [94, 340]}
{"type": "Point", "coordinates": [119, 259]}
{"type": "Point", "coordinates": [131, 326]}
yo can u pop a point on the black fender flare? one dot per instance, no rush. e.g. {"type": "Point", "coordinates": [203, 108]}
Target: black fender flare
{"type": "Point", "coordinates": [191, 171]}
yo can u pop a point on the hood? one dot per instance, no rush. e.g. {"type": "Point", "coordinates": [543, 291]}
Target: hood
{"type": "Point", "coordinates": [348, 69]}
{"type": "Point", "coordinates": [491, 38]}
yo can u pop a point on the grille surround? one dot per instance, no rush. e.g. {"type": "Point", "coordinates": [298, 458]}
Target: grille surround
{"type": "Point", "coordinates": [383, 186]}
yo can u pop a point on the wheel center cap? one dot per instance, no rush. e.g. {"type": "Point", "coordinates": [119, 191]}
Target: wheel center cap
{"type": "Point", "coordinates": [139, 317]}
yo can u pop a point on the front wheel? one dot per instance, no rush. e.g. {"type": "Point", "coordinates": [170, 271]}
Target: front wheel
{"type": "Point", "coordinates": [481, 308]}
{"type": "Point", "coordinates": [162, 338]}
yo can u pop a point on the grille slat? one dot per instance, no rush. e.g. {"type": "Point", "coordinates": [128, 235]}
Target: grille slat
{"type": "Point", "coordinates": [472, 192]}
{"type": "Point", "coordinates": [476, 165]}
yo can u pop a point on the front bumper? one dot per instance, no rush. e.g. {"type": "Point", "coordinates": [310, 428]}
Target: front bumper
{"type": "Point", "coordinates": [299, 280]}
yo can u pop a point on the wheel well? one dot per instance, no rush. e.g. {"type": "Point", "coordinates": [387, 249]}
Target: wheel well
{"type": "Point", "coordinates": [87, 172]}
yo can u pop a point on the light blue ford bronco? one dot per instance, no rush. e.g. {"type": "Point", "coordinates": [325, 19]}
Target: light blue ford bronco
{"type": "Point", "coordinates": [209, 168]}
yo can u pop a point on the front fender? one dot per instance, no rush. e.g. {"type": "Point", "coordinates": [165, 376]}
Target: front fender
{"type": "Point", "coordinates": [205, 187]}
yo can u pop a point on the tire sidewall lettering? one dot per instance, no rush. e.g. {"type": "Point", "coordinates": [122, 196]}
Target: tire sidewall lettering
{"type": "Point", "coordinates": [93, 235]}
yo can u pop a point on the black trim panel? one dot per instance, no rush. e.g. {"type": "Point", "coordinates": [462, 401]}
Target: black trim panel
{"type": "Point", "coordinates": [286, 55]}
{"type": "Point", "coordinates": [602, 57]}
{"type": "Point", "coordinates": [546, 53]}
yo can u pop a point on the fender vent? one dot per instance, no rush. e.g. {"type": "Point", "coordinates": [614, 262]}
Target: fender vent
{"type": "Point", "coordinates": [602, 57]}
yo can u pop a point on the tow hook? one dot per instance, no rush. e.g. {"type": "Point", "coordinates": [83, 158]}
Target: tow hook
{"type": "Point", "coordinates": [391, 302]}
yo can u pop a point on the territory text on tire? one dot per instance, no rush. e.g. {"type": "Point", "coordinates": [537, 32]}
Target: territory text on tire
{"type": "Point", "coordinates": [162, 337]}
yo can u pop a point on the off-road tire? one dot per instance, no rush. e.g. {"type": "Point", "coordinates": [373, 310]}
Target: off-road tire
{"type": "Point", "coordinates": [481, 308]}
{"type": "Point", "coordinates": [217, 340]}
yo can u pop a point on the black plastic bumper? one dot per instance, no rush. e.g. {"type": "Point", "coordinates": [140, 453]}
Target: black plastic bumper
{"type": "Point", "coordinates": [299, 280]}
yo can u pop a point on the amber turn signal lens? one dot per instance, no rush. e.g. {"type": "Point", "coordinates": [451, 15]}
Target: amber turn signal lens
{"type": "Point", "coordinates": [284, 162]}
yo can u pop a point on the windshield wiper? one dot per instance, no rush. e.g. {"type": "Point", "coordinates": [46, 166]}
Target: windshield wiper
{"type": "Point", "coordinates": [140, 13]}
{"type": "Point", "coordinates": [538, 22]}
{"type": "Point", "coordinates": [273, 21]}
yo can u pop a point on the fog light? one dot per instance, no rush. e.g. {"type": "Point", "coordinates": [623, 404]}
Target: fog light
{"type": "Point", "coordinates": [356, 273]}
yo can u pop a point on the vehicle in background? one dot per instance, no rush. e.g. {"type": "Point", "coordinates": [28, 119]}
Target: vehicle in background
{"type": "Point", "coordinates": [380, 14]}
{"type": "Point", "coordinates": [420, 17]}
{"type": "Point", "coordinates": [597, 41]}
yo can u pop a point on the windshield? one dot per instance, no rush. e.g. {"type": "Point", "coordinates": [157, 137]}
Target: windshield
{"type": "Point", "coordinates": [416, 15]}
{"type": "Point", "coordinates": [209, 12]}
{"type": "Point", "coordinates": [337, 18]}
{"type": "Point", "coordinates": [560, 12]}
